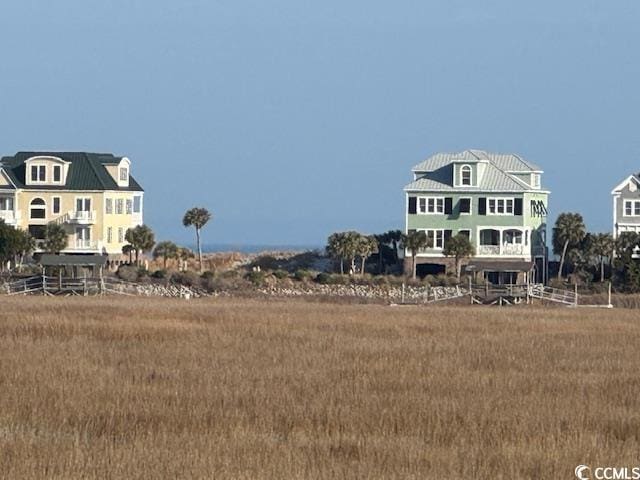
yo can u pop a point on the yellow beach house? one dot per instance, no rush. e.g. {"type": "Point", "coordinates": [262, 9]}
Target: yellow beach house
{"type": "Point", "coordinates": [93, 195]}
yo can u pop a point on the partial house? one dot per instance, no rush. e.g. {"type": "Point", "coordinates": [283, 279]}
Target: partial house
{"type": "Point", "coordinates": [93, 195]}
{"type": "Point", "coordinates": [497, 200]}
{"type": "Point", "coordinates": [626, 206]}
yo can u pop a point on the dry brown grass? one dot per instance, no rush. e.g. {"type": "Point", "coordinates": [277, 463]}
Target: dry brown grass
{"type": "Point", "coordinates": [104, 388]}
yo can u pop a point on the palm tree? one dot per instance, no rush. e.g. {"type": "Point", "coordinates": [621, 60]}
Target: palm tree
{"type": "Point", "coordinates": [415, 241]}
{"type": "Point", "coordinates": [602, 246]}
{"type": "Point", "coordinates": [55, 238]}
{"type": "Point", "coordinates": [166, 249]}
{"type": "Point", "coordinates": [366, 246]}
{"type": "Point", "coordinates": [198, 218]}
{"type": "Point", "coordinates": [568, 231]}
{"type": "Point", "coordinates": [141, 239]}
{"type": "Point", "coordinates": [459, 247]}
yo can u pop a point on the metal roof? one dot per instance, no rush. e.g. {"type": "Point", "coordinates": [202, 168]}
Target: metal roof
{"type": "Point", "coordinates": [493, 179]}
{"type": "Point", "coordinates": [86, 172]}
{"type": "Point", "coordinates": [499, 266]}
{"type": "Point", "coordinates": [50, 260]}
{"type": "Point", "coordinates": [507, 162]}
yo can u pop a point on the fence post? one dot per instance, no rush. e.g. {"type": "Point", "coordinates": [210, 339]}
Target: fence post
{"type": "Point", "coordinates": [575, 289]}
{"type": "Point", "coordinates": [44, 284]}
{"type": "Point", "coordinates": [402, 295]}
{"type": "Point", "coordinates": [610, 304]}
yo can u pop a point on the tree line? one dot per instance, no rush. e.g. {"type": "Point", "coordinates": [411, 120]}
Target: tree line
{"type": "Point", "coordinates": [17, 244]}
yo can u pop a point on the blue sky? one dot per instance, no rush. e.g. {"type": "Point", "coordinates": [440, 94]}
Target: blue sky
{"type": "Point", "coordinates": [291, 119]}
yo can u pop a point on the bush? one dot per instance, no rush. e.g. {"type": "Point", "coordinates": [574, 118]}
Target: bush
{"type": "Point", "coordinates": [323, 278]}
{"type": "Point", "coordinates": [208, 274]}
{"type": "Point", "coordinates": [281, 274]}
{"type": "Point", "coordinates": [128, 273]}
{"type": "Point", "coordinates": [381, 281]}
{"type": "Point", "coordinates": [159, 274]}
{"type": "Point", "coordinates": [188, 279]}
{"type": "Point", "coordinates": [303, 275]}
{"type": "Point", "coordinates": [257, 277]}
{"type": "Point", "coordinates": [266, 262]}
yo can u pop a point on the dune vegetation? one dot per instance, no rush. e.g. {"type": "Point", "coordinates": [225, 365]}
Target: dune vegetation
{"type": "Point", "coordinates": [240, 389]}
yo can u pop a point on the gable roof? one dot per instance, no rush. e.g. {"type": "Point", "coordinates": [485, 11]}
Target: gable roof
{"type": "Point", "coordinates": [507, 162]}
{"type": "Point", "coordinates": [621, 186]}
{"type": "Point", "coordinates": [86, 171]}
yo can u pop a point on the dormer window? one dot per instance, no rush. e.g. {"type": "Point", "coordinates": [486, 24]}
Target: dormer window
{"type": "Point", "coordinates": [57, 173]}
{"type": "Point", "coordinates": [124, 174]}
{"type": "Point", "coordinates": [465, 176]}
{"type": "Point", "coordinates": [38, 173]}
{"type": "Point", "coordinates": [535, 180]}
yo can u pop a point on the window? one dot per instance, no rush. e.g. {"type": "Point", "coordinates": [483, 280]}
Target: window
{"type": "Point", "coordinates": [632, 208]}
{"type": "Point", "coordinates": [465, 205]}
{"type": "Point", "coordinates": [83, 237]}
{"type": "Point", "coordinates": [120, 235]}
{"type": "Point", "coordinates": [430, 205]}
{"type": "Point", "coordinates": [119, 206]}
{"type": "Point", "coordinates": [124, 174]}
{"type": "Point", "coordinates": [38, 209]}
{"type": "Point", "coordinates": [109, 234]}
{"type": "Point", "coordinates": [57, 173]}
{"type": "Point", "coordinates": [6, 203]}
{"type": "Point", "coordinates": [108, 205]}
{"type": "Point", "coordinates": [55, 205]}
{"type": "Point", "coordinates": [38, 173]}
{"type": "Point", "coordinates": [501, 206]}
{"type": "Point", "coordinates": [137, 204]}
{"type": "Point", "coordinates": [465, 233]}
{"type": "Point", "coordinates": [465, 175]}
{"type": "Point", "coordinates": [535, 180]}
{"type": "Point", "coordinates": [512, 237]}
{"type": "Point", "coordinates": [129, 206]}
{"type": "Point", "coordinates": [436, 238]}
{"type": "Point", "coordinates": [83, 204]}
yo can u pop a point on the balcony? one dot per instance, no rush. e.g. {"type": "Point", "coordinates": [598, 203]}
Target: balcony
{"type": "Point", "coordinates": [81, 217]}
{"type": "Point", "coordinates": [80, 245]}
{"type": "Point", "coordinates": [9, 216]}
{"type": "Point", "coordinates": [507, 242]}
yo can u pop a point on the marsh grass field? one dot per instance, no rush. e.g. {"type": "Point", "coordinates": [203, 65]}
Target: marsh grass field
{"type": "Point", "coordinates": [152, 389]}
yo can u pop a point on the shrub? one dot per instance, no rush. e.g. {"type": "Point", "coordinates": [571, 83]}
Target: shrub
{"type": "Point", "coordinates": [281, 274]}
{"type": "Point", "coordinates": [257, 277]}
{"type": "Point", "coordinates": [208, 274]}
{"type": "Point", "coordinates": [266, 262]}
{"type": "Point", "coordinates": [303, 275]}
{"type": "Point", "coordinates": [159, 274]}
{"type": "Point", "coordinates": [381, 281]}
{"type": "Point", "coordinates": [128, 273]}
{"type": "Point", "coordinates": [323, 278]}
{"type": "Point", "coordinates": [188, 279]}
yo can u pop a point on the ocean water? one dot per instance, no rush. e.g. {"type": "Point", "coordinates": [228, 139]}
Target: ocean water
{"type": "Point", "coordinates": [248, 248]}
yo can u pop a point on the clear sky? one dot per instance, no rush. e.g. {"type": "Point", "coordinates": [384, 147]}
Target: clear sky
{"type": "Point", "coordinates": [291, 119]}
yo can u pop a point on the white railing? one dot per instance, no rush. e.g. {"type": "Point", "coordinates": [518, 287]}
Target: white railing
{"type": "Point", "coordinates": [9, 216]}
{"type": "Point", "coordinates": [513, 249]}
{"type": "Point", "coordinates": [80, 244]}
{"type": "Point", "coordinates": [506, 249]}
{"type": "Point", "coordinates": [82, 215]}
{"type": "Point", "coordinates": [489, 250]}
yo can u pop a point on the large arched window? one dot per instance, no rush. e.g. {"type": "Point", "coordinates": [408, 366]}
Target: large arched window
{"type": "Point", "coordinates": [465, 175]}
{"type": "Point", "coordinates": [38, 208]}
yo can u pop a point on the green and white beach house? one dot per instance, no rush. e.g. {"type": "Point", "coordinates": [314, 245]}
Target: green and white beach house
{"type": "Point", "coordinates": [497, 200]}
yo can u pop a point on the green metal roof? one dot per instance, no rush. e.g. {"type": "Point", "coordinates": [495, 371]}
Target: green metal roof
{"type": "Point", "coordinates": [86, 171]}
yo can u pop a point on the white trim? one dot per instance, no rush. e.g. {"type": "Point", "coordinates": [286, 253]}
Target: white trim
{"type": "Point", "coordinates": [504, 213]}
{"type": "Point", "coordinates": [38, 207]}
{"type": "Point", "coordinates": [635, 207]}
{"type": "Point", "coordinates": [620, 187]}
{"type": "Point", "coordinates": [7, 178]}
{"type": "Point", "coordinates": [462, 169]}
{"type": "Point", "coordinates": [426, 205]}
